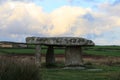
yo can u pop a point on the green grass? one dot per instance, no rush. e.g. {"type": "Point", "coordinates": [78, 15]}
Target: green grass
{"type": "Point", "coordinates": [103, 50]}
{"type": "Point", "coordinates": [108, 73]}
{"type": "Point", "coordinates": [11, 69]}
{"type": "Point", "coordinates": [97, 50]}
{"type": "Point", "coordinates": [103, 53]}
{"type": "Point", "coordinates": [103, 46]}
{"type": "Point", "coordinates": [27, 51]}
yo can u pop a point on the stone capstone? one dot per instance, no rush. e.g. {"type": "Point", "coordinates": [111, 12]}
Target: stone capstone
{"type": "Point", "coordinates": [60, 41]}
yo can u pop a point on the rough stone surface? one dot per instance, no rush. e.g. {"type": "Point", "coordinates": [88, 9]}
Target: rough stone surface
{"type": "Point", "coordinates": [50, 57]}
{"type": "Point", "coordinates": [73, 56]}
{"type": "Point", "coordinates": [38, 56]}
{"type": "Point", "coordinates": [60, 41]}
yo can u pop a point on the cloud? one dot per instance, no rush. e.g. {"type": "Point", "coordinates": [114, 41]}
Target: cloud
{"type": "Point", "coordinates": [25, 1]}
{"type": "Point", "coordinates": [20, 19]}
{"type": "Point", "coordinates": [83, 2]}
{"type": "Point", "coordinates": [64, 18]}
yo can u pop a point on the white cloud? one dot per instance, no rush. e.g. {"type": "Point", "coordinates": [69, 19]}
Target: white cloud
{"type": "Point", "coordinates": [18, 19]}
{"type": "Point", "coordinates": [23, 18]}
{"type": "Point", "coordinates": [63, 18]}
{"type": "Point", "coordinates": [26, 1]}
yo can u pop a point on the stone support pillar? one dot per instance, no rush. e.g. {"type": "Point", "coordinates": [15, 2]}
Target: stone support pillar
{"type": "Point", "coordinates": [73, 56]}
{"type": "Point", "coordinates": [50, 58]}
{"type": "Point", "coordinates": [38, 55]}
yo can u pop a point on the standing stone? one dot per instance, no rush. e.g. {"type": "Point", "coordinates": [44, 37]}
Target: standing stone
{"type": "Point", "coordinates": [50, 58]}
{"type": "Point", "coordinates": [73, 56]}
{"type": "Point", "coordinates": [38, 56]}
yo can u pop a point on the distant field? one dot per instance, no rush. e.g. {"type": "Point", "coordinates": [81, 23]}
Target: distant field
{"type": "Point", "coordinates": [97, 50]}
{"type": "Point", "coordinates": [103, 50]}
{"type": "Point", "coordinates": [27, 51]}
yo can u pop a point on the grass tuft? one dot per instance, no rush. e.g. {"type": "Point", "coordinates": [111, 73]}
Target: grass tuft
{"type": "Point", "coordinates": [11, 69]}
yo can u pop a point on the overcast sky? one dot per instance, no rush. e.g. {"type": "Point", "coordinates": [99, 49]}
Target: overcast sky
{"type": "Point", "coordinates": [98, 20]}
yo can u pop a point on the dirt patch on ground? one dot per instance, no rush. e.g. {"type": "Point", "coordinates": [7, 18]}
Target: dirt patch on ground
{"type": "Point", "coordinates": [61, 58]}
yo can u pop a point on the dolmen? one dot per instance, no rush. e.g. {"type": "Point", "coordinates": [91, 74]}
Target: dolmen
{"type": "Point", "coordinates": [73, 48]}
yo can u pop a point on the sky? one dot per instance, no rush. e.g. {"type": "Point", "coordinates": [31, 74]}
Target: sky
{"type": "Point", "coordinates": [97, 20]}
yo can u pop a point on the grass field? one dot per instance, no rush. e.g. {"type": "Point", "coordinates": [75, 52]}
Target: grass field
{"type": "Point", "coordinates": [108, 73]}
{"type": "Point", "coordinates": [110, 65]}
{"type": "Point", "coordinates": [97, 50]}
{"type": "Point", "coordinates": [26, 51]}
{"type": "Point", "coordinates": [104, 72]}
{"type": "Point", "coordinates": [103, 50]}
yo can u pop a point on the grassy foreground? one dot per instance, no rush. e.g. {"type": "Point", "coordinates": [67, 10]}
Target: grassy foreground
{"type": "Point", "coordinates": [108, 73]}
{"type": "Point", "coordinates": [110, 70]}
{"type": "Point", "coordinates": [11, 69]}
